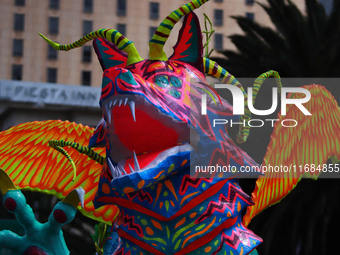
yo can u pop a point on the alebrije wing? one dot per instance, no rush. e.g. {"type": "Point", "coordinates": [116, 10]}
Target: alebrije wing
{"type": "Point", "coordinates": [108, 54]}
{"type": "Point", "coordinates": [314, 140]}
{"type": "Point", "coordinates": [33, 165]}
{"type": "Point", "coordinates": [189, 46]}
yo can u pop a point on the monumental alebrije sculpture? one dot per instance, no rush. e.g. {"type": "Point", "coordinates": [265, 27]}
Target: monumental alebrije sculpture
{"type": "Point", "coordinates": [134, 167]}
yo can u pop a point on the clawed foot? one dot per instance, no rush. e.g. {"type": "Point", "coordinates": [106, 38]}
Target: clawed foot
{"type": "Point", "coordinates": [41, 238]}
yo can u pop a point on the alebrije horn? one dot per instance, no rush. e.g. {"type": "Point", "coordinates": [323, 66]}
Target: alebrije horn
{"type": "Point", "coordinates": [111, 35]}
{"type": "Point", "coordinates": [212, 68]}
{"type": "Point", "coordinates": [244, 130]}
{"type": "Point", "coordinates": [156, 44]}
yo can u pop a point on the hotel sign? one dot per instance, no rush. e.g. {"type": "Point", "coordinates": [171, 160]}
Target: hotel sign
{"type": "Point", "coordinates": [56, 94]}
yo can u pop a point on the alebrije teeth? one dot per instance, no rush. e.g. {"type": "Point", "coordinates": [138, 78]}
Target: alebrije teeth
{"type": "Point", "coordinates": [117, 172]}
{"type": "Point", "coordinates": [108, 113]}
{"type": "Point", "coordinates": [122, 170]}
{"type": "Point", "coordinates": [120, 102]}
{"type": "Point", "coordinates": [111, 167]}
{"type": "Point", "coordinates": [131, 169]}
{"type": "Point", "coordinates": [137, 168]}
{"type": "Point", "coordinates": [132, 108]}
{"type": "Point", "coordinates": [125, 101]}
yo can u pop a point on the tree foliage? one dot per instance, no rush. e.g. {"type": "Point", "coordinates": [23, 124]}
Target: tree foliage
{"type": "Point", "coordinates": [300, 45]}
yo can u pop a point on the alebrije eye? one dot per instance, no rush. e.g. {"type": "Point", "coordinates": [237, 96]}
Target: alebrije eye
{"type": "Point", "coordinates": [162, 81]}
{"type": "Point", "coordinates": [175, 93]}
{"type": "Point", "coordinates": [176, 82]}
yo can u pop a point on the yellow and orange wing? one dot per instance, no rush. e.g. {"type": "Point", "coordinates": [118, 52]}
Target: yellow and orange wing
{"type": "Point", "coordinates": [33, 165]}
{"type": "Point", "coordinates": [314, 140]}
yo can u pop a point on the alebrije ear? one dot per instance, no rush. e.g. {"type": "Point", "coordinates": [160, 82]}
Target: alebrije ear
{"type": "Point", "coordinates": [156, 44]}
{"type": "Point", "coordinates": [189, 47]}
{"type": "Point", "coordinates": [108, 54]}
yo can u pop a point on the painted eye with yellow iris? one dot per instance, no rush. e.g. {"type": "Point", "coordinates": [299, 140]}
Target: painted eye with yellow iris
{"type": "Point", "coordinates": [170, 84]}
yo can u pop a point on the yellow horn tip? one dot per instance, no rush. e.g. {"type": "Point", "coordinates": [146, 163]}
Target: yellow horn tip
{"type": "Point", "coordinates": [6, 183]}
{"type": "Point", "coordinates": [55, 46]}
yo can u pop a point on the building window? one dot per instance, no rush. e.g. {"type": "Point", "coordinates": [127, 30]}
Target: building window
{"type": "Point", "coordinates": [88, 6]}
{"type": "Point", "coordinates": [86, 78]}
{"type": "Point", "coordinates": [20, 2]}
{"type": "Point", "coordinates": [218, 17]}
{"type": "Point", "coordinates": [250, 15]}
{"type": "Point", "coordinates": [87, 27]}
{"type": "Point", "coordinates": [53, 25]}
{"type": "Point", "coordinates": [218, 41]}
{"type": "Point", "coordinates": [121, 7]}
{"type": "Point", "coordinates": [18, 47]}
{"type": "Point", "coordinates": [54, 4]}
{"type": "Point", "coordinates": [51, 52]}
{"type": "Point", "coordinates": [52, 75]}
{"type": "Point", "coordinates": [154, 10]}
{"type": "Point", "coordinates": [19, 22]}
{"type": "Point", "coordinates": [121, 28]}
{"type": "Point", "coordinates": [87, 54]}
{"type": "Point", "coordinates": [152, 31]}
{"type": "Point", "coordinates": [17, 72]}
{"type": "Point", "coordinates": [249, 2]}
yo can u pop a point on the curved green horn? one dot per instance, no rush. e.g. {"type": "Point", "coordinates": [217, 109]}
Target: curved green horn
{"type": "Point", "coordinates": [111, 35]}
{"type": "Point", "coordinates": [244, 130]}
{"type": "Point", "coordinates": [156, 44]}
{"type": "Point", "coordinates": [214, 69]}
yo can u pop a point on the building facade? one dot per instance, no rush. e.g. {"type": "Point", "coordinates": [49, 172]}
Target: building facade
{"type": "Point", "coordinates": [26, 56]}
{"type": "Point", "coordinates": [23, 101]}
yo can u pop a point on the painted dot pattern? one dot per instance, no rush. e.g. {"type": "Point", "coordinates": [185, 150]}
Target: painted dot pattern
{"type": "Point", "coordinates": [60, 216]}
{"type": "Point", "coordinates": [10, 204]}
